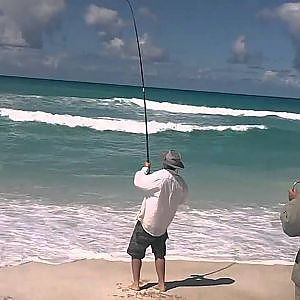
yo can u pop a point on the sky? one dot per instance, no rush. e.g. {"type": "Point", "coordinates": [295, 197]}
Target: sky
{"type": "Point", "coordinates": [234, 46]}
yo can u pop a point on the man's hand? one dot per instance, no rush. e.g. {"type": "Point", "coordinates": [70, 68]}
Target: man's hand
{"type": "Point", "coordinates": [147, 164]}
{"type": "Point", "coordinates": [293, 194]}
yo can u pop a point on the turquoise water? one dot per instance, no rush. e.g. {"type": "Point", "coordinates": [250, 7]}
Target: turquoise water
{"type": "Point", "coordinates": [69, 151]}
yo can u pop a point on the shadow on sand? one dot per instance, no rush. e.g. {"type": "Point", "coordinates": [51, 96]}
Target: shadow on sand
{"type": "Point", "coordinates": [196, 280]}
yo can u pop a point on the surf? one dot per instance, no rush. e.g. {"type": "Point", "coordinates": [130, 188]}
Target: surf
{"type": "Point", "coordinates": [114, 124]}
{"type": "Point", "coordinates": [205, 110]}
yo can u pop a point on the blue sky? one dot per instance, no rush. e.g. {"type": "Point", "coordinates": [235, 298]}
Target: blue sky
{"type": "Point", "coordinates": [236, 46]}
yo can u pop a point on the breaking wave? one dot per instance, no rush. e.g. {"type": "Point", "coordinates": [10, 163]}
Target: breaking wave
{"type": "Point", "coordinates": [114, 124]}
{"type": "Point", "coordinates": [222, 111]}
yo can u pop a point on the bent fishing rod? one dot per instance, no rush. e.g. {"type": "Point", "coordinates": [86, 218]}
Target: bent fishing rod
{"type": "Point", "coordinates": [142, 79]}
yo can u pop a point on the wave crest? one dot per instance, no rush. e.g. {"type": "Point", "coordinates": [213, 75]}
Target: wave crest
{"type": "Point", "coordinates": [190, 109]}
{"type": "Point", "coordinates": [113, 124]}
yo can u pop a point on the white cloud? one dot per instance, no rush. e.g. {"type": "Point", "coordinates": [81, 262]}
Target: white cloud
{"type": "Point", "coordinates": [150, 51]}
{"type": "Point", "coordinates": [290, 14]}
{"type": "Point", "coordinates": [239, 50]}
{"type": "Point", "coordinates": [45, 10]}
{"type": "Point", "coordinates": [10, 35]}
{"type": "Point", "coordinates": [115, 44]}
{"type": "Point", "coordinates": [269, 75]}
{"type": "Point", "coordinates": [240, 54]}
{"type": "Point", "coordinates": [127, 50]}
{"type": "Point", "coordinates": [146, 12]}
{"type": "Point", "coordinates": [23, 23]}
{"type": "Point", "coordinates": [283, 78]}
{"type": "Point", "coordinates": [110, 28]}
{"type": "Point", "coordinates": [287, 12]}
{"type": "Point", "coordinates": [293, 82]}
{"type": "Point", "coordinates": [102, 17]}
{"type": "Point", "coordinates": [109, 25]}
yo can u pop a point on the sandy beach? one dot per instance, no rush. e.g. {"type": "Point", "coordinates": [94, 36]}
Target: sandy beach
{"type": "Point", "coordinates": [100, 279]}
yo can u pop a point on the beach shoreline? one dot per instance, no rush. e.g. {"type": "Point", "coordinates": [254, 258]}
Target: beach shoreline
{"type": "Point", "coordinates": [105, 280]}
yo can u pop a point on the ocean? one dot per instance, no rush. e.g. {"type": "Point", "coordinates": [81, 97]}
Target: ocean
{"type": "Point", "coordinates": [69, 151]}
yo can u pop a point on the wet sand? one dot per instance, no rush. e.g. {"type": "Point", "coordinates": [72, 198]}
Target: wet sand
{"type": "Point", "coordinates": [104, 280]}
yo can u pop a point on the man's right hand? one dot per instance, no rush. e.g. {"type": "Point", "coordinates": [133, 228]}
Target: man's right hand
{"type": "Point", "coordinates": [293, 194]}
{"type": "Point", "coordinates": [147, 164]}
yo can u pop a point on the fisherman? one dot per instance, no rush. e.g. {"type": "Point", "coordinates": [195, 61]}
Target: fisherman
{"type": "Point", "coordinates": [164, 191]}
{"type": "Point", "coordinates": [290, 219]}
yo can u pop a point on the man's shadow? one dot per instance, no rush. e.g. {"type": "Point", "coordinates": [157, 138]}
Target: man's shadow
{"type": "Point", "coordinates": [196, 280]}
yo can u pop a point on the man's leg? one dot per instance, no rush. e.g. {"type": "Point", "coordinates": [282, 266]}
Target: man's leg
{"type": "Point", "coordinates": [160, 265]}
{"type": "Point", "coordinates": [136, 265]}
{"type": "Point", "coordinates": [297, 292]}
{"type": "Point", "coordinates": [159, 251]}
{"type": "Point", "coordinates": [137, 247]}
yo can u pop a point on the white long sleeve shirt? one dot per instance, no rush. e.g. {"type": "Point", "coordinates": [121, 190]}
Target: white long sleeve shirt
{"type": "Point", "coordinates": [164, 191]}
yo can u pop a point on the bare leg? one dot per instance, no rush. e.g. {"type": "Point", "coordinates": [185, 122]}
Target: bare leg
{"type": "Point", "coordinates": [297, 292]}
{"type": "Point", "coordinates": [160, 266]}
{"type": "Point", "coordinates": [136, 265]}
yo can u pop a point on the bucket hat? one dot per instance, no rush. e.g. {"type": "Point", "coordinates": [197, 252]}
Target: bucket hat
{"type": "Point", "coordinates": [172, 159]}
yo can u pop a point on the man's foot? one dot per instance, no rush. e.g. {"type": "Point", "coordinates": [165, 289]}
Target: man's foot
{"type": "Point", "coordinates": [134, 287]}
{"type": "Point", "coordinates": [160, 287]}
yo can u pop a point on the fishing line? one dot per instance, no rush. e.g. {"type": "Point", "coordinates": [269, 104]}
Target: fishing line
{"type": "Point", "coordinates": [142, 79]}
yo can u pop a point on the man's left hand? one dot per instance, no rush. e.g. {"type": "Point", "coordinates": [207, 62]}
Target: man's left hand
{"type": "Point", "coordinates": [293, 194]}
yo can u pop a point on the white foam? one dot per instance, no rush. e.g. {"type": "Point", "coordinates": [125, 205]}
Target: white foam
{"type": "Point", "coordinates": [114, 124]}
{"type": "Point", "coordinates": [56, 234]}
{"type": "Point", "coordinates": [166, 106]}
{"type": "Point", "coordinates": [190, 109]}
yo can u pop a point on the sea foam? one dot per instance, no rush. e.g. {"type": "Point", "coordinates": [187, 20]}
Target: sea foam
{"type": "Point", "coordinates": [114, 124]}
{"type": "Point", "coordinates": [64, 233]}
{"type": "Point", "coordinates": [222, 111]}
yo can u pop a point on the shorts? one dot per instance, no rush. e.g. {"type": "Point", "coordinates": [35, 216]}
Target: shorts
{"type": "Point", "coordinates": [141, 240]}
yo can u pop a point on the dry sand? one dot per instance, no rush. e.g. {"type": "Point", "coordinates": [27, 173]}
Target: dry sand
{"type": "Point", "coordinates": [104, 280]}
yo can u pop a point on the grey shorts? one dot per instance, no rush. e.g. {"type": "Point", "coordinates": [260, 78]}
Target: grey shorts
{"type": "Point", "coordinates": [141, 240]}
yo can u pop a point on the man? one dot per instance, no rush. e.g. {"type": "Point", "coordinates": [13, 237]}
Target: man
{"type": "Point", "coordinates": [290, 219]}
{"type": "Point", "coordinates": [164, 191]}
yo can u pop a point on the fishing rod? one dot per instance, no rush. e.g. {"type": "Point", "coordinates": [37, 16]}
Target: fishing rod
{"type": "Point", "coordinates": [142, 79]}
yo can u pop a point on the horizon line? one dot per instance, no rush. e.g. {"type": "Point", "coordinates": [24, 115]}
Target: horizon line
{"type": "Point", "coordinates": [151, 87]}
